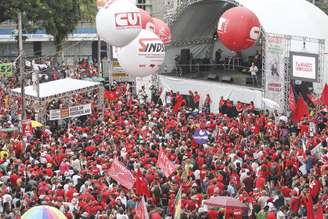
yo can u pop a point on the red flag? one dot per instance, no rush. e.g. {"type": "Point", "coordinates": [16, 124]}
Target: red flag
{"type": "Point", "coordinates": [141, 210]}
{"type": "Point", "coordinates": [165, 164]}
{"type": "Point", "coordinates": [141, 185]}
{"type": "Point", "coordinates": [319, 211]}
{"type": "Point", "coordinates": [309, 207]}
{"type": "Point", "coordinates": [291, 99]}
{"type": "Point", "coordinates": [178, 104]}
{"type": "Point", "coordinates": [110, 95]}
{"type": "Point", "coordinates": [121, 174]}
{"type": "Point", "coordinates": [301, 111]}
{"type": "Point", "coordinates": [324, 96]}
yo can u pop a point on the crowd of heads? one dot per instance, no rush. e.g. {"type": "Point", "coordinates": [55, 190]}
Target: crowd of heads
{"type": "Point", "coordinates": [274, 166]}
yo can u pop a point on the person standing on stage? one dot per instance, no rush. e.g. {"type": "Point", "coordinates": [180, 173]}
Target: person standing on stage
{"type": "Point", "coordinates": [207, 104]}
{"type": "Point", "coordinates": [196, 101]}
{"type": "Point", "coordinates": [253, 70]}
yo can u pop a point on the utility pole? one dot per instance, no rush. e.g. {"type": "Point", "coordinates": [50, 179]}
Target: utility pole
{"type": "Point", "coordinates": [99, 56]}
{"type": "Point", "coordinates": [21, 71]}
{"type": "Point", "coordinates": [110, 63]}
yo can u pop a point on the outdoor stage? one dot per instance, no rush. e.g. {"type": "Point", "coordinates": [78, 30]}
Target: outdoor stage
{"type": "Point", "coordinates": [235, 77]}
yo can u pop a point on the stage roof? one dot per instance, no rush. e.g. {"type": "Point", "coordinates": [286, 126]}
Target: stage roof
{"type": "Point", "coordinates": [286, 17]}
{"type": "Point", "coordinates": [57, 87]}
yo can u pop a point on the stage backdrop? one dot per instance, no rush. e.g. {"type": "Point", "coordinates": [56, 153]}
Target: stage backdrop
{"type": "Point", "coordinates": [275, 51]}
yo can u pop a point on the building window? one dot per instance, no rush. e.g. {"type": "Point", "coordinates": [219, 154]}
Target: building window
{"type": "Point", "coordinates": [145, 5]}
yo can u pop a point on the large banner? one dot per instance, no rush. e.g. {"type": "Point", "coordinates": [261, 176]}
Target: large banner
{"type": "Point", "coordinates": [304, 66]}
{"type": "Point", "coordinates": [275, 54]}
{"type": "Point", "coordinates": [121, 174]}
{"type": "Point", "coordinates": [6, 70]}
{"type": "Point", "coordinates": [74, 111]}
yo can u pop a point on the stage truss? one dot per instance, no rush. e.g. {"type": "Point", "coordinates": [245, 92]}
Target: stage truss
{"type": "Point", "coordinates": [287, 65]}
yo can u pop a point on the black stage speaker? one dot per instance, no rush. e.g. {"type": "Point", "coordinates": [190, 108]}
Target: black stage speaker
{"type": "Point", "coordinates": [185, 56]}
{"type": "Point", "coordinates": [226, 79]}
{"type": "Point", "coordinates": [212, 77]}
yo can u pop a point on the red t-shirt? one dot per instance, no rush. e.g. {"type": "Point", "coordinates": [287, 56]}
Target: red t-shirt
{"type": "Point", "coordinates": [271, 215]}
{"type": "Point", "coordinates": [260, 182]}
{"type": "Point", "coordinates": [212, 214]}
{"type": "Point", "coordinates": [295, 204]}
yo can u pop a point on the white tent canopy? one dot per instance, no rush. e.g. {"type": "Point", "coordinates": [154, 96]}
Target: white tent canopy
{"type": "Point", "coordinates": [57, 87]}
{"type": "Point", "coordinates": [292, 17]}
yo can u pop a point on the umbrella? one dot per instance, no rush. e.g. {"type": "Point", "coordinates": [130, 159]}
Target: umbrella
{"type": "Point", "coordinates": [36, 124]}
{"type": "Point", "coordinates": [43, 212]}
{"type": "Point", "coordinates": [225, 202]}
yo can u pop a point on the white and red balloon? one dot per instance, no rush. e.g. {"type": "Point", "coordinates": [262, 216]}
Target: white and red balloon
{"type": "Point", "coordinates": [143, 56]}
{"type": "Point", "coordinates": [161, 29]}
{"type": "Point", "coordinates": [119, 23]}
{"type": "Point", "coordinates": [238, 29]}
{"type": "Point", "coordinates": [145, 18]}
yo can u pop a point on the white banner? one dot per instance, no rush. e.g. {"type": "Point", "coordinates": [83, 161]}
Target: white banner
{"type": "Point", "coordinates": [82, 110]}
{"type": "Point", "coordinates": [74, 111]}
{"type": "Point", "coordinates": [275, 70]}
{"type": "Point", "coordinates": [54, 115]}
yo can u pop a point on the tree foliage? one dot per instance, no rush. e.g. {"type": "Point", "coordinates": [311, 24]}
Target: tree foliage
{"type": "Point", "coordinates": [57, 17]}
{"type": "Point", "coordinates": [323, 6]}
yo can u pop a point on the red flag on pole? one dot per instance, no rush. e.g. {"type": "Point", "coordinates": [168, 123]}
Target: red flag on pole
{"type": "Point", "coordinates": [291, 99]}
{"type": "Point", "coordinates": [165, 164]}
{"type": "Point", "coordinates": [110, 95]}
{"type": "Point", "coordinates": [309, 207]}
{"type": "Point", "coordinates": [301, 111]}
{"type": "Point", "coordinates": [141, 185]}
{"type": "Point", "coordinates": [319, 211]}
{"type": "Point", "coordinates": [141, 210]}
{"type": "Point", "coordinates": [121, 174]}
{"type": "Point", "coordinates": [324, 96]}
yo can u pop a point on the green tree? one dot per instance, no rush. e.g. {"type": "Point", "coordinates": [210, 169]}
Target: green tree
{"type": "Point", "coordinates": [323, 6]}
{"type": "Point", "coordinates": [88, 10]}
{"type": "Point", "coordinates": [58, 17]}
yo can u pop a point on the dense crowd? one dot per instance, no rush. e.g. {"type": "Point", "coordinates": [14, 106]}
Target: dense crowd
{"type": "Point", "coordinates": [277, 167]}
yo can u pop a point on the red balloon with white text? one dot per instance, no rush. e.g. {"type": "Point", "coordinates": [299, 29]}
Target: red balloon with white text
{"type": "Point", "coordinates": [145, 18]}
{"type": "Point", "coordinates": [161, 29]}
{"type": "Point", "coordinates": [238, 29]}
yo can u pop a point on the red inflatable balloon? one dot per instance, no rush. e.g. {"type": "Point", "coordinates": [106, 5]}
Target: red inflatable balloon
{"type": "Point", "coordinates": [238, 29]}
{"type": "Point", "coordinates": [161, 29]}
{"type": "Point", "coordinates": [145, 18]}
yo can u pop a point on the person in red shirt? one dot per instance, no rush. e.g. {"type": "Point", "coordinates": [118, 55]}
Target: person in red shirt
{"type": "Point", "coordinates": [221, 103]}
{"type": "Point", "coordinates": [207, 104]}
{"type": "Point", "coordinates": [196, 99]}
{"type": "Point", "coordinates": [212, 214]}
{"type": "Point", "coordinates": [239, 107]}
{"type": "Point", "coordinates": [295, 203]}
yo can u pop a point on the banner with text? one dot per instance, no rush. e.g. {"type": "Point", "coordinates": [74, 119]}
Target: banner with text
{"type": "Point", "coordinates": [275, 54]}
{"type": "Point", "coordinates": [71, 112]}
